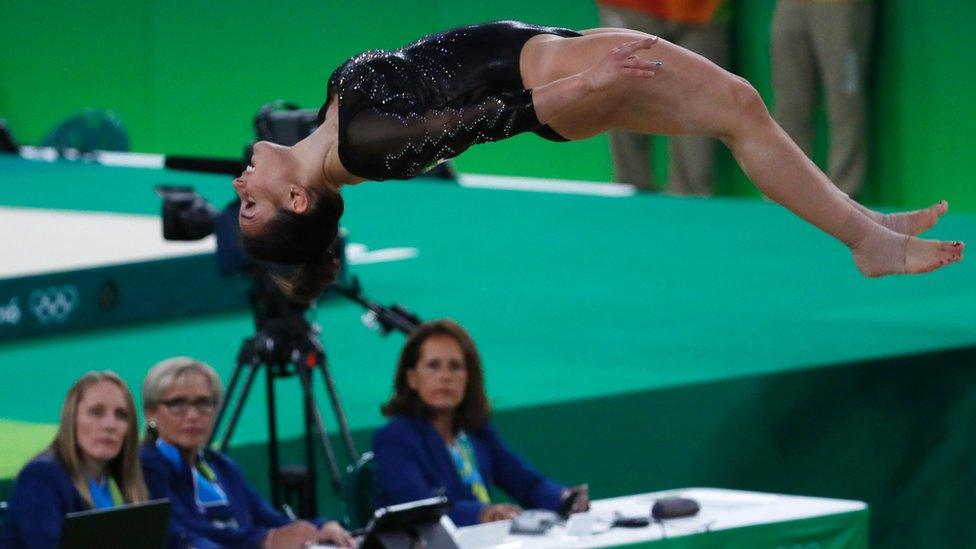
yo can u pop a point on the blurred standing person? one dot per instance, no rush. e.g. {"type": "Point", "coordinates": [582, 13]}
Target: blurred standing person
{"type": "Point", "coordinates": [826, 42]}
{"type": "Point", "coordinates": [701, 26]}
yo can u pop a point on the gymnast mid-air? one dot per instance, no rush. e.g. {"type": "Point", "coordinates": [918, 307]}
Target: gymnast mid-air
{"type": "Point", "coordinates": [392, 114]}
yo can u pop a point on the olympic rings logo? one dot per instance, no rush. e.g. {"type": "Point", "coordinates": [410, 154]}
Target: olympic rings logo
{"type": "Point", "coordinates": [10, 313]}
{"type": "Point", "coordinates": [53, 304]}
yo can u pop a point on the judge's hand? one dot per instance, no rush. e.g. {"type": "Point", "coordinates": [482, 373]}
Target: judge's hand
{"type": "Point", "coordinates": [502, 511]}
{"type": "Point", "coordinates": [582, 503]}
{"type": "Point", "coordinates": [297, 534]}
{"type": "Point", "coordinates": [333, 533]}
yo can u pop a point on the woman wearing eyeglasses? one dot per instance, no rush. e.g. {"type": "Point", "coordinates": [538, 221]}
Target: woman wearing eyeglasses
{"type": "Point", "coordinates": [212, 503]}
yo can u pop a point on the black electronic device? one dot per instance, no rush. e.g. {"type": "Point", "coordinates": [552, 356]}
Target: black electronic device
{"type": "Point", "coordinates": [186, 214]}
{"type": "Point", "coordinates": [674, 507]}
{"type": "Point", "coordinates": [410, 525]}
{"type": "Point", "coordinates": [136, 526]}
{"type": "Point", "coordinates": [284, 123]}
{"type": "Point", "coordinates": [631, 522]}
{"type": "Point", "coordinates": [566, 505]}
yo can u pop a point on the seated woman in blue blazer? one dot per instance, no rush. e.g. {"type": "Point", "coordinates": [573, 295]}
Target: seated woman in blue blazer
{"type": "Point", "coordinates": [439, 440]}
{"type": "Point", "coordinates": [93, 463]}
{"type": "Point", "coordinates": [211, 503]}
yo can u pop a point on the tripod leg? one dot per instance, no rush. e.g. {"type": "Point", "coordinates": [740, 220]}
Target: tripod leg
{"type": "Point", "coordinates": [313, 418]}
{"type": "Point", "coordinates": [276, 496]}
{"type": "Point", "coordinates": [236, 414]}
{"type": "Point", "coordinates": [337, 408]}
{"type": "Point", "coordinates": [228, 395]}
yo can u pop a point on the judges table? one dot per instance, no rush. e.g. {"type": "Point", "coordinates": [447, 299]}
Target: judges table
{"type": "Point", "coordinates": [728, 518]}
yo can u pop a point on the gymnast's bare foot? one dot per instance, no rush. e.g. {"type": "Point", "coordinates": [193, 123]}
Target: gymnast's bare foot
{"type": "Point", "coordinates": [910, 223]}
{"type": "Point", "coordinates": [884, 252]}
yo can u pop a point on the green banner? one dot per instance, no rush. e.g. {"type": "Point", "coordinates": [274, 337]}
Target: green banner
{"type": "Point", "coordinates": [119, 294]}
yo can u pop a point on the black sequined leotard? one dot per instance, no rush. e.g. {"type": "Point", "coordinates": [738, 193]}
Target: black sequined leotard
{"type": "Point", "coordinates": [402, 111]}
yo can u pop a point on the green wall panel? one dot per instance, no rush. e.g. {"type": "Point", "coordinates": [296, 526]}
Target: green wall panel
{"type": "Point", "coordinates": [186, 77]}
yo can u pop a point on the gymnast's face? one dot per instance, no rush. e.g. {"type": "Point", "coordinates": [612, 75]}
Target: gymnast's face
{"type": "Point", "coordinates": [267, 185]}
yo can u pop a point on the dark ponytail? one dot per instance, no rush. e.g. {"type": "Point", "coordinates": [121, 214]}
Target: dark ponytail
{"type": "Point", "coordinates": [303, 240]}
{"type": "Point", "coordinates": [309, 279]}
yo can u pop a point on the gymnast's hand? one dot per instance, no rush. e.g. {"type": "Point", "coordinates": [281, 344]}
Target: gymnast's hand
{"type": "Point", "coordinates": [621, 65]}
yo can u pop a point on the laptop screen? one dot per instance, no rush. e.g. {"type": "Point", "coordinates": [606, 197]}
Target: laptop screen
{"type": "Point", "coordinates": [135, 525]}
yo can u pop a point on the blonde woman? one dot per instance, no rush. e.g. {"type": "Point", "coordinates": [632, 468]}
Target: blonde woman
{"type": "Point", "coordinates": [93, 463]}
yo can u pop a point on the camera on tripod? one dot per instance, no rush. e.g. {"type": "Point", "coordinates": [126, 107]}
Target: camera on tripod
{"type": "Point", "coordinates": [286, 344]}
{"type": "Point", "coordinates": [284, 123]}
{"type": "Point", "coordinates": [189, 216]}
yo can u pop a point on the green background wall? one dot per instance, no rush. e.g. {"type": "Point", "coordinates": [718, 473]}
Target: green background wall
{"type": "Point", "coordinates": [186, 77]}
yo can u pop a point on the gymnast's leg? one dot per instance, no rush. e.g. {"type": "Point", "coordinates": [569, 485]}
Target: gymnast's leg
{"type": "Point", "coordinates": [910, 223]}
{"type": "Point", "coordinates": [690, 95]}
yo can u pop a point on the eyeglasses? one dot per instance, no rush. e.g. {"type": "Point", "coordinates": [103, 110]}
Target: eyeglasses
{"type": "Point", "coordinates": [180, 405]}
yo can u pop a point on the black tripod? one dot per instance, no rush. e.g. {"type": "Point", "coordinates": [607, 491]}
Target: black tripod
{"type": "Point", "coordinates": [286, 344]}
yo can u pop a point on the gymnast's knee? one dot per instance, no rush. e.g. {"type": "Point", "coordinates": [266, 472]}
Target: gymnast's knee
{"type": "Point", "coordinates": [746, 102]}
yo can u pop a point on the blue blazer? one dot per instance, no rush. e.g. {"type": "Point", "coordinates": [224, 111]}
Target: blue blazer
{"type": "Point", "coordinates": [412, 462]}
{"type": "Point", "coordinates": [43, 494]}
{"type": "Point", "coordinates": [188, 525]}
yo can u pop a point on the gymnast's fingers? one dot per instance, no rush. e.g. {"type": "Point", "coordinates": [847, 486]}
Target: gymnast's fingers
{"type": "Point", "coordinates": [635, 62]}
{"type": "Point", "coordinates": [629, 48]}
{"type": "Point", "coordinates": [626, 49]}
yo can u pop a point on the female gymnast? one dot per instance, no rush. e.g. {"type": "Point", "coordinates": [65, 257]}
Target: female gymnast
{"type": "Point", "coordinates": [393, 114]}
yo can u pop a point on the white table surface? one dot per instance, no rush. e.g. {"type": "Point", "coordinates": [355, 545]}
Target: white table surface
{"type": "Point", "coordinates": [721, 509]}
